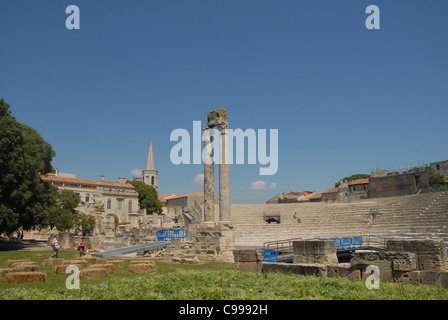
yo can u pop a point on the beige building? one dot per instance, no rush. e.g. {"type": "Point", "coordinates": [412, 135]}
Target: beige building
{"type": "Point", "coordinates": [114, 204]}
{"type": "Point", "coordinates": [185, 206]}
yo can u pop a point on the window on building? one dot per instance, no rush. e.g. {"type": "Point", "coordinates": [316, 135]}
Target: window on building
{"type": "Point", "coordinates": [152, 181]}
{"type": "Point", "coordinates": [130, 206]}
{"type": "Point", "coordinates": [109, 204]}
{"type": "Point", "coordinates": [326, 196]}
{"type": "Point", "coordinates": [120, 204]}
{"type": "Point", "coordinates": [334, 196]}
{"type": "Point", "coordinates": [108, 222]}
{"type": "Point", "coordinates": [87, 197]}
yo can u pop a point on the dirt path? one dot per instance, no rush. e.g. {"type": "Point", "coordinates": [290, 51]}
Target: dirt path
{"type": "Point", "coordinates": [26, 245]}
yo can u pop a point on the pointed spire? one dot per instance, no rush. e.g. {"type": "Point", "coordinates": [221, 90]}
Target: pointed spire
{"type": "Point", "coordinates": [150, 160]}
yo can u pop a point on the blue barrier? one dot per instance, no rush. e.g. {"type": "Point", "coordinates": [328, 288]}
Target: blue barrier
{"type": "Point", "coordinates": [269, 255]}
{"type": "Point", "coordinates": [346, 243]}
{"type": "Point", "coordinates": [168, 234]}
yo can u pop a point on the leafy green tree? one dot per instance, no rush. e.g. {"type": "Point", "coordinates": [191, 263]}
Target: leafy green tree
{"type": "Point", "coordinates": [24, 155]}
{"type": "Point", "coordinates": [436, 180]}
{"type": "Point", "coordinates": [85, 222]}
{"type": "Point", "coordinates": [60, 209]}
{"type": "Point", "coordinates": [147, 197]}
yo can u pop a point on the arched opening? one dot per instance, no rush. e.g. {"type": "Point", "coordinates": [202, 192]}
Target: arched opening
{"type": "Point", "coordinates": [111, 223]}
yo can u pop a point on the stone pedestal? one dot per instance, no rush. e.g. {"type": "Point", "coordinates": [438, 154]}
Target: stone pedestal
{"type": "Point", "coordinates": [248, 260]}
{"type": "Point", "coordinates": [213, 241]}
{"type": "Point", "coordinates": [316, 252]}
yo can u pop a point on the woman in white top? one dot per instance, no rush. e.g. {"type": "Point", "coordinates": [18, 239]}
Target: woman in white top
{"type": "Point", "coordinates": [55, 245]}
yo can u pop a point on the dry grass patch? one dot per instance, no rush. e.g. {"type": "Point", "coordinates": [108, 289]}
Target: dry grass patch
{"type": "Point", "coordinates": [4, 271]}
{"type": "Point", "coordinates": [90, 274]}
{"type": "Point", "coordinates": [115, 262]}
{"type": "Point", "coordinates": [25, 268]}
{"type": "Point", "coordinates": [52, 262]}
{"type": "Point", "coordinates": [26, 277]}
{"type": "Point", "coordinates": [91, 260]}
{"type": "Point", "coordinates": [142, 268]}
{"type": "Point", "coordinates": [110, 268]}
{"type": "Point", "coordinates": [61, 269]}
{"type": "Point", "coordinates": [82, 263]}
{"type": "Point", "coordinates": [10, 263]}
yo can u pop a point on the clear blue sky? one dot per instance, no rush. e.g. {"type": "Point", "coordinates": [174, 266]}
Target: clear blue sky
{"type": "Point", "coordinates": [345, 99]}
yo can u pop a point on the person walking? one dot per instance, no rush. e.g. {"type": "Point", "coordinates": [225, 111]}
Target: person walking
{"type": "Point", "coordinates": [55, 245]}
{"type": "Point", "coordinates": [82, 248]}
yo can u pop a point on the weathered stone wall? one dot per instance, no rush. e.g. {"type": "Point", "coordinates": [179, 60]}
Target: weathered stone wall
{"type": "Point", "coordinates": [248, 260]}
{"type": "Point", "coordinates": [213, 242]}
{"type": "Point", "coordinates": [391, 265]}
{"type": "Point", "coordinates": [430, 254]}
{"type": "Point", "coordinates": [69, 241]}
{"type": "Point", "coordinates": [318, 251]}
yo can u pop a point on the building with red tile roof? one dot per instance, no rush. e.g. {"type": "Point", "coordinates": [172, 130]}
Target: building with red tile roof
{"type": "Point", "coordinates": [114, 203]}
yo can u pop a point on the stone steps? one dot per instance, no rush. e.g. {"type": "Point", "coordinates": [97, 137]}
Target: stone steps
{"type": "Point", "coordinates": [415, 216]}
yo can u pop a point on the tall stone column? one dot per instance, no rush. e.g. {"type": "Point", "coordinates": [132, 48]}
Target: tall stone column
{"type": "Point", "coordinates": [209, 179]}
{"type": "Point", "coordinates": [224, 173]}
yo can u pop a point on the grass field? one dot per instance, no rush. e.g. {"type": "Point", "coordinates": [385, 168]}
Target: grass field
{"type": "Point", "coordinates": [209, 280]}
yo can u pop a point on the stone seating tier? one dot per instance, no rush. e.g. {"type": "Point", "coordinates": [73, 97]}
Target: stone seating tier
{"type": "Point", "coordinates": [407, 217]}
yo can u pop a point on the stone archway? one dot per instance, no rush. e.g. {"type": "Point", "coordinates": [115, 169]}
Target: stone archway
{"type": "Point", "coordinates": [112, 223]}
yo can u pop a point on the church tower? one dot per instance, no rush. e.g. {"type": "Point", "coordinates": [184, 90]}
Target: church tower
{"type": "Point", "coordinates": [150, 174]}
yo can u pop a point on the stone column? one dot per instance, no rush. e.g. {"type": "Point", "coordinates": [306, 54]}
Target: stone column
{"type": "Point", "coordinates": [224, 174]}
{"type": "Point", "coordinates": [209, 180]}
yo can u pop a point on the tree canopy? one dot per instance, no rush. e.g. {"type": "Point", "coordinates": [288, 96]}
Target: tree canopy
{"type": "Point", "coordinates": [60, 209]}
{"type": "Point", "coordinates": [436, 180]}
{"type": "Point", "coordinates": [147, 197]}
{"type": "Point", "coordinates": [24, 155]}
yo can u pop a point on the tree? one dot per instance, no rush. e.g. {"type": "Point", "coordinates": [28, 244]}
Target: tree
{"type": "Point", "coordinates": [436, 180]}
{"type": "Point", "coordinates": [60, 209]}
{"type": "Point", "coordinates": [24, 155]}
{"type": "Point", "coordinates": [85, 221]}
{"type": "Point", "coordinates": [147, 197]}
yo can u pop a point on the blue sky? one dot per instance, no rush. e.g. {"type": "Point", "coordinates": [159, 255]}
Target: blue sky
{"type": "Point", "coordinates": [344, 99]}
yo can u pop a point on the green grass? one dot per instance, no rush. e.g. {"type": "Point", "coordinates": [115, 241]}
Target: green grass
{"type": "Point", "coordinates": [210, 280]}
